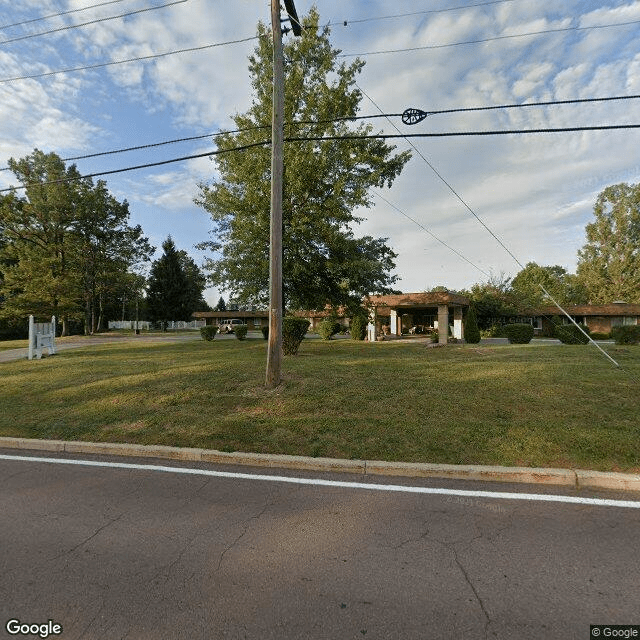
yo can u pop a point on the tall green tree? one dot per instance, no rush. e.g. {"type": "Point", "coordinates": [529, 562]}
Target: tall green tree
{"type": "Point", "coordinates": [609, 262]}
{"type": "Point", "coordinates": [562, 285]}
{"type": "Point", "coordinates": [196, 283]}
{"type": "Point", "coordinates": [324, 183]}
{"type": "Point", "coordinates": [39, 274]}
{"type": "Point", "coordinates": [175, 285]}
{"type": "Point", "coordinates": [221, 306]}
{"type": "Point", "coordinates": [68, 245]}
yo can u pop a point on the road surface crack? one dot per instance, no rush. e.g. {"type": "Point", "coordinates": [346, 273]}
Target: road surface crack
{"type": "Point", "coordinates": [244, 533]}
{"type": "Point", "coordinates": [452, 548]}
{"type": "Point", "coordinates": [93, 535]}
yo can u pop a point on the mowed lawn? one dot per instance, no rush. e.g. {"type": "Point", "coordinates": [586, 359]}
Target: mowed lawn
{"type": "Point", "coordinates": [530, 405]}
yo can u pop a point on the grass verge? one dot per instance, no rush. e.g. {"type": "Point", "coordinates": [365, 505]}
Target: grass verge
{"type": "Point", "coordinates": [529, 405]}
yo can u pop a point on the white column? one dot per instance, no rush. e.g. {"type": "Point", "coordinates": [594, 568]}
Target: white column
{"type": "Point", "coordinates": [395, 329]}
{"type": "Point", "coordinates": [457, 323]}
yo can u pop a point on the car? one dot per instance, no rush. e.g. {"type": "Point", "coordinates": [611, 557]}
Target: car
{"type": "Point", "coordinates": [228, 326]}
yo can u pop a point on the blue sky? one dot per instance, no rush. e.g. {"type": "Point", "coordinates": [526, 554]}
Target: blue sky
{"type": "Point", "coordinates": [535, 192]}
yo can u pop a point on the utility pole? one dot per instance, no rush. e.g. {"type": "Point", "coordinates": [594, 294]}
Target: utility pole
{"type": "Point", "coordinates": [274, 346]}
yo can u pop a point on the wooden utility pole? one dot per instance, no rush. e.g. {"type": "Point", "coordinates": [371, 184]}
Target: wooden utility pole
{"type": "Point", "coordinates": [274, 347]}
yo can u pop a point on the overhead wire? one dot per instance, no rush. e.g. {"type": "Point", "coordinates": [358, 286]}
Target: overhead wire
{"type": "Point", "coordinates": [90, 22]}
{"type": "Point", "coordinates": [416, 13]}
{"type": "Point", "coordinates": [475, 215]}
{"type": "Point", "coordinates": [492, 39]}
{"type": "Point", "coordinates": [433, 235]}
{"type": "Point", "coordinates": [340, 119]}
{"type": "Point", "coordinates": [135, 59]}
{"type": "Point", "coordinates": [61, 13]}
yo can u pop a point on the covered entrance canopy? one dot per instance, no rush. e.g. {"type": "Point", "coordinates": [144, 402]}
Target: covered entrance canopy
{"type": "Point", "coordinates": [406, 310]}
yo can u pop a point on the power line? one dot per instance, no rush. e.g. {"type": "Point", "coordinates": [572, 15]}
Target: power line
{"type": "Point", "coordinates": [109, 64]}
{"type": "Point", "coordinates": [339, 119]}
{"type": "Point", "coordinates": [482, 40]}
{"type": "Point", "coordinates": [97, 20]}
{"type": "Point", "coordinates": [433, 235]}
{"type": "Point", "coordinates": [61, 13]}
{"type": "Point", "coordinates": [531, 104]}
{"type": "Point", "coordinates": [453, 191]}
{"type": "Point", "coordinates": [415, 13]}
{"type": "Point", "coordinates": [140, 166]}
{"type": "Point", "coordinates": [453, 134]}
{"type": "Point", "coordinates": [360, 137]}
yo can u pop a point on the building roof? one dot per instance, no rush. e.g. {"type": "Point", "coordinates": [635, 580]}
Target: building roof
{"type": "Point", "coordinates": [432, 299]}
{"type": "Point", "coordinates": [614, 309]}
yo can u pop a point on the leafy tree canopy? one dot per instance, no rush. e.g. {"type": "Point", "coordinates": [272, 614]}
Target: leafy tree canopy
{"type": "Point", "coordinates": [609, 262]}
{"type": "Point", "coordinates": [562, 285]}
{"type": "Point", "coordinates": [324, 183]}
{"type": "Point", "coordinates": [66, 243]}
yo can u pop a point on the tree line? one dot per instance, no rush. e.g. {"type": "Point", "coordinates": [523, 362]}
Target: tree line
{"type": "Point", "coordinates": [67, 248]}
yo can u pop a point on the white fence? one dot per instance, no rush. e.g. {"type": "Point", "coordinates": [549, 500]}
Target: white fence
{"type": "Point", "coordinates": [128, 324]}
{"type": "Point", "coordinates": [144, 324]}
{"type": "Point", "coordinates": [42, 335]}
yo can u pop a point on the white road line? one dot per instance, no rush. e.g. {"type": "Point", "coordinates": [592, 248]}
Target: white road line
{"type": "Point", "coordinates": [495, 495]}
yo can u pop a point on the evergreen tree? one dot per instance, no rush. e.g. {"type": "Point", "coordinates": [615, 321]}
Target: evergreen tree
{"type": "Point", "coordinates": [170, 291]}
{"type": "Point", "coordinates": [222, 305]}
{"type": "Point", "coordinates": [324, 182]}
{"type": "Point", "coordinates": [471, 331]}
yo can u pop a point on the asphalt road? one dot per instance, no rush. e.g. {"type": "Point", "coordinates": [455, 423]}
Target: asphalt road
{"type": "Point", "coordinates": [137, 553]}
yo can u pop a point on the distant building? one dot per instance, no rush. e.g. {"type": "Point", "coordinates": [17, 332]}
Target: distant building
{"type": "Point", "coordinates": [600, 318]}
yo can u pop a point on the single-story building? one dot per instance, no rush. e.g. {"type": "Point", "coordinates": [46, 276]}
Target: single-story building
{"type": "Point", "coordinates": [599, 318]}
{"type": "Point", "coordinates": [253, 319]}
{"type": "Point", "coordinates": [404, 312]}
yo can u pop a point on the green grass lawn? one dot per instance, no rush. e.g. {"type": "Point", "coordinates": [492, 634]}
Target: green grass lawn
{"type": "Point", "coordinates": [530, 405]}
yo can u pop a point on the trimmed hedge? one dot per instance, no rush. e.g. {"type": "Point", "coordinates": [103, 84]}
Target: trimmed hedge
{"type": "Point", "coordinates": [518, 333]}
{"type": "Point", "coordinates": [570, 334]}
{"type": "Point", "coordinates": [328, 328]}
{"type": "Point", "coordinates": [626, 334]}
{"type": "Point", "coordinates": [358, 327]}
{"type": "Point", "coordinates": [209, 332]}
{"type": "Point", "coordinates": [596, 335]}
{"type": "Point", "coordinates": [241, 331]}
{"type": "Point", "coordinates": [293, 332]}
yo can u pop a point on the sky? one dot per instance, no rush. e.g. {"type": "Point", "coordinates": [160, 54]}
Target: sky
{"type": "Point", "coordinates": [535, 192]}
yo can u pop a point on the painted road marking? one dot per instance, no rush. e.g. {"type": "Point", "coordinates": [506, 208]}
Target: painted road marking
{"type": "Point", "coordinates": [493, 495]}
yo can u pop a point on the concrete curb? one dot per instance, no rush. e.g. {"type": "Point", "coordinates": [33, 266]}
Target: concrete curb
{"type": "Point", "coordinates": [579, 479]}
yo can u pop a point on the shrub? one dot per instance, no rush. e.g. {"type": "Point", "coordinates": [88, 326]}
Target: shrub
{"type": "Point", "coordinates": [434, 335]}
{"type": "Point", "coordinates": [471, 331]}
{"type": "Point", "coordinates": [293, 332]}
{"type": "Point", "coordinates": [597, 335]}
{"type": "Point", "coordinates": [518, 333]}
{"type": "Point", "coordinates": [208, 333]}
{"type": "Point", "coordinates": [627, 334]}
{"type": "Point", "coordinates": [570, 334]}
{"type": "Point", "coordinates": [328, 328]}
{"type": "Point", "coordinates": [265, 332]}
{"type": "Point", "coordinates": [358, 327]}
{"type": "Point", "coordinates": [241, 331]}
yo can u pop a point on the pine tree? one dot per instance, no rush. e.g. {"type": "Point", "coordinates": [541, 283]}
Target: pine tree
{"type": "Point", "coordinates": [471, 331]}
{"type": "Point", "coordinates": [168, 292]}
